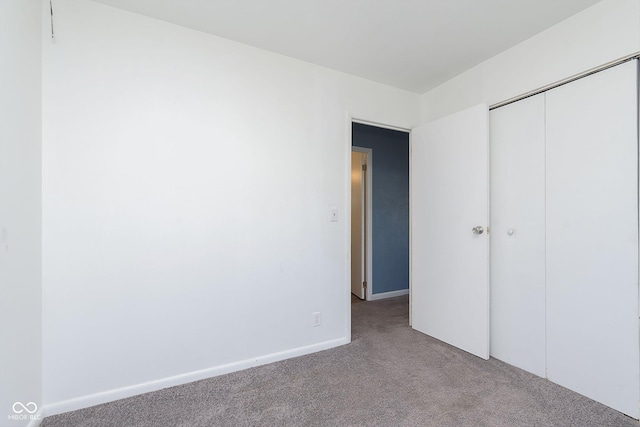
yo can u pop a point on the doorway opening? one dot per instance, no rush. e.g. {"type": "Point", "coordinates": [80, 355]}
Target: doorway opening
{"type": "Point", "coordinates": [379, 212]}
{"type": "Point", "coordinates": [361, 209]}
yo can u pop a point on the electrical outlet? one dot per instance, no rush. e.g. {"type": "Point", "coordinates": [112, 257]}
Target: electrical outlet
{"type": "Point", "coordinates": [316, 319]}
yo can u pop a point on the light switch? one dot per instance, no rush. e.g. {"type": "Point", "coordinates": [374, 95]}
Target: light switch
{"type": "Point", "coordinates": [334, 214]}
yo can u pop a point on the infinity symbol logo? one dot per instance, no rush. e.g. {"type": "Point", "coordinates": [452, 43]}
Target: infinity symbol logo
{"type": "Point", "coordinates": [22, 407]}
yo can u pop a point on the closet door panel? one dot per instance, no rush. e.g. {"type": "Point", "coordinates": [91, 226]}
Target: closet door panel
{"type": "Point", "coordinates": [592, 237]}
{"type": "Point", "coordinates": [518, 234]}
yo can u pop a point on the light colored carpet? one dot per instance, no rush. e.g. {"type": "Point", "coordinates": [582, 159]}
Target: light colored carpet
{"type": "Point", "coordinates": [390, 375]}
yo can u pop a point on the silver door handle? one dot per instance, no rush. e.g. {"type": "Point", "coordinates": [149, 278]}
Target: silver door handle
{"type": "Point", "coordinates": [478, 230]}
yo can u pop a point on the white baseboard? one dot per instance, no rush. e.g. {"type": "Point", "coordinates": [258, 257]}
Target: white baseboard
{"type": "Point", "coordinates": [35, 422]}
{"type": "Point", "coordinates": [124, 392]}
{"type": "Point", "coordinates": [390, 294]}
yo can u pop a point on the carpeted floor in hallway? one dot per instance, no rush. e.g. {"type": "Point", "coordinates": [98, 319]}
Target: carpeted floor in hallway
{"type": "Point", "coordinates": [390, 375]}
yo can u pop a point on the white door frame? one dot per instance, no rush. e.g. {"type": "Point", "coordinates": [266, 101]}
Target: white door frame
{"type": "Point", "coordinates": [368, 212]}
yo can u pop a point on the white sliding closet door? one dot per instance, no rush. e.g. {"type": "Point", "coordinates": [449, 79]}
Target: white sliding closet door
{"type": "Point", "coordinates": [518, 234]}
{"type": "Point", "coordinates": [592, 237]}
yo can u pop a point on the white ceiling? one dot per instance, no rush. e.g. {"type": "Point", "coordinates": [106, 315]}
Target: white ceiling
{"type": "Point", "coordinates": [410, 44]}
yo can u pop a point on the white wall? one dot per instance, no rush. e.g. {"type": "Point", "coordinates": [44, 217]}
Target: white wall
{"type": "Point", "coordinates": [187, 184]}
{"type": "Point", "coordinates": [20, 207]}
{"type": "Point", "coordinates": [604, 32]}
